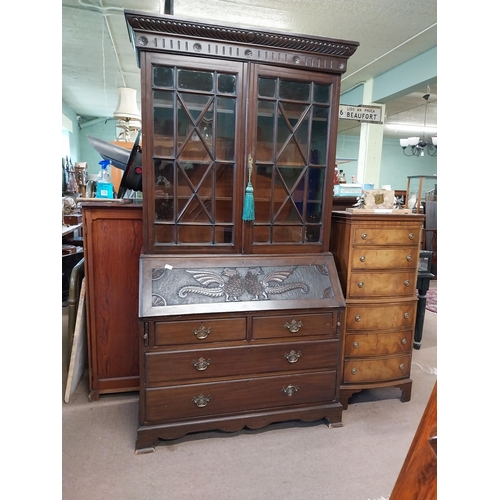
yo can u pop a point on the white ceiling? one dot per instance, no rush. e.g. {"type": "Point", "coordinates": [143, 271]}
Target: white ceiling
{"type": "Point", "coordinates": [98, 57]}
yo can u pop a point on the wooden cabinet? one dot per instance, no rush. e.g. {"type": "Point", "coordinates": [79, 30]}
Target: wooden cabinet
{"type": "Point", "coordinates": [112, 247]}
{"type": "Point", "coordinates": [240, 310]}
{"type": "Point", "coordinates": [377, 259]}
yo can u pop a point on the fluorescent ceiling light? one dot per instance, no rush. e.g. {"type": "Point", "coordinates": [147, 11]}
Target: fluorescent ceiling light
{"type": "Point", "coordinates": [401, 127]}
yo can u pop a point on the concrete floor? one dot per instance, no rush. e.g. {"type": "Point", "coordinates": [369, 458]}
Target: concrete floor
{"type": "Point", "coordinates": [294, 460]}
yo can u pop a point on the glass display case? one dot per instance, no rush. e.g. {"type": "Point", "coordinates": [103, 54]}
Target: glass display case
{"type": "Point", "coordinates": [420, 189]}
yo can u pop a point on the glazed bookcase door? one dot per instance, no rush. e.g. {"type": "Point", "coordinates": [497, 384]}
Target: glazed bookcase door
{"type": "Point", "coordinates": [290, 123]}
{"type": "Point", "coordinates": [193, 124]}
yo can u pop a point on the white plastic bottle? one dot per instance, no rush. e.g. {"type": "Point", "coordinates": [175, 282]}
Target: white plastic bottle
{"type": "Point", "coordinates": [104, 187]}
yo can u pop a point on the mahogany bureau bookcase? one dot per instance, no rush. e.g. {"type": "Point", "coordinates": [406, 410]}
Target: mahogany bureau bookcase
{"type": "Point", "coordinates": [377, 258]}
{"type": "Point", "coordinates": [240, 305]}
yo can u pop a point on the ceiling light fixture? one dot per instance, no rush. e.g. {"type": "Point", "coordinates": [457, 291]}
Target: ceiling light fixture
{"type": "Point", "coordinates": [418, 146]}
{"type": "Point", "coordinates": [127, 114]}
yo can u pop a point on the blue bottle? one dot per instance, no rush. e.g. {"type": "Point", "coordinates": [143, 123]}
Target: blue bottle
{"type": "Point", "coordinates": [104, 187]}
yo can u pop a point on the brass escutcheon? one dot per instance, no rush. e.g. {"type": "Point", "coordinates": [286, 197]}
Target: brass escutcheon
{"type": "Point", "coordinates": [290, 389]}
{"type": "Point", "coordinates": [201, 400]}
{"type": "Point", "coordinates": [292, 356]}
{"type": "Point", "coordinates": [201, 332]}
{"type": "Point", "coordinates": [294, 326]}
{"type": "Point", "coordinates": [201, 364]}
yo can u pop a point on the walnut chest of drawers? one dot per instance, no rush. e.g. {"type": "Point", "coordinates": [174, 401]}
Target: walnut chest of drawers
{"type": "Point", "coordinates": [228, 342]}
{"type": "Point", "coordinates": [377, 261]}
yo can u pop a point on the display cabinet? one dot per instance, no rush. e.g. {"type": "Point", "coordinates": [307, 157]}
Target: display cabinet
{"type": "Point", "coordinates": [239, 143]}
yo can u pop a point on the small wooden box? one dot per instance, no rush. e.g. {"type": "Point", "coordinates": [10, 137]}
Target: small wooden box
{"type": "Point", "coordinates": [73, 220]}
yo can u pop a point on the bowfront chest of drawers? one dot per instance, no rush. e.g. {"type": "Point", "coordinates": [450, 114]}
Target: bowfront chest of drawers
{"type": "Point", "coordinates": [377, 260]}
{"type": "Point", "coordinates": [263, 346]}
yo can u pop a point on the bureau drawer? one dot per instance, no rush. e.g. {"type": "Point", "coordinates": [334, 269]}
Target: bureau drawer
{"type": "Point", "coordinates": [202, 400]}
{"type": "Point", "coordinates": [385, 236]}
{"type": "Point", "coordinates": [292, 326]}
{"type": "Point", "coordinates": [376, 370]}
{"type": "Point", "coordinates": [196, 365]}
{"type": "Point", "coordinates": [199, 331]}
{"type": "Point", "coordinates": [385, 258]}
{"type": "Point", "coordinates": [383, 284]}
{"type": "Point", "coordinates": [381, 316]}
{"type": "Point", "coordinates": [377, 344]}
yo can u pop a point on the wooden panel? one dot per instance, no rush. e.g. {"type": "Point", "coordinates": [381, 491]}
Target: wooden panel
{"type": "Point", "coordinates": [112, 246]}
{"type": "Point", "coordinates": [238, 395]}
{"type": "Point", "coordinates": [174, 367]}
{"type": "Point", "coordinates": [377, 344]}
{"type": "Point", "coordinates": [385, 258]}
{"type": "Point", "coordinates": [382, 236]}
{"type": "Point", "coordinates": [307, 325]}
{"type": "Point", "coordinates": [382, 284]}
{"type": "Point", "coordinates": [193, 332]}
{"type": "Point", "coordinates": [377, 370]}
{"type": "Point", "coordinates": [381, 317]}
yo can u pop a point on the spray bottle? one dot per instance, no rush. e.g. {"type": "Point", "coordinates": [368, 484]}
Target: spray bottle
{"type": "Point", "coordinates": [104, 187]}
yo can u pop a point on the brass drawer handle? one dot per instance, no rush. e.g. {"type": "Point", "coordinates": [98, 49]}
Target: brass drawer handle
{"type": "Point", "coordinates": [362, 258]}
{"type": "Point", "coordinates": [292, 356]}
{"type": "Point", "coordinates": [357, 318]}
{"type": "Point", "coordinates": [355, 345]}
{"type": "Point", "coordinates": [201, 364]}
{"type": "Point", "coordinates": [411, 236]}
{"type": "Point", "coordinates": [354, 371]}
{"type": "Point", "coordinates": [407, 282]}
{"type": "Point", "coordinates": [403, 341]}
{"type": "Point", "coordinates": [402, 366]}
{"type": "Point", "coordinates": [201, 401]}
{"type": "Point", "coordinates": [408, 258]}
{"type": "Point", "coordinates": [360, 284]}
{"type": "Point", "coordinates": [290, 389]}
{"type": "Point", "coordinates": [364, 236]}
{"type": "Point", "coordinates": [406, 315]}
{"type": "Point", "coordinates": [201, 332]}
{"type": "Point", "coordinates": [294, 326]}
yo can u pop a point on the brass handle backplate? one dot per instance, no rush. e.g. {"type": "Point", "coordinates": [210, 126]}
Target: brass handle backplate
{"type": "Point", "coordinates": [201, 332]}
{"type": "Point", "coordinates": [201, 401]}
{"type": "Point", "coordinates": [292, 356]}
{"type": "Point", "coordinates": [201, 364]}
{"type": "Point", "coordinates": [289, 390]}
{"type": "Point", "coordinates": [294, 326]}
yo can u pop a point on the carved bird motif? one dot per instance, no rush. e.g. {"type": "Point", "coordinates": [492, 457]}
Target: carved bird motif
{"type": "Point", "coordinates": [214, 285]}
{"type": "Point", "coordinates": [256, 288]}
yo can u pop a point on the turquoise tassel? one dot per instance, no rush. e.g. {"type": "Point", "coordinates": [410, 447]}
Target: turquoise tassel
{"type": "Point", "coordinates": [249, 202]}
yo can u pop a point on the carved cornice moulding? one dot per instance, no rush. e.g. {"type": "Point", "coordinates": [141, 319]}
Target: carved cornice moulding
{"type": "Point", "coordinates": [145, 25]}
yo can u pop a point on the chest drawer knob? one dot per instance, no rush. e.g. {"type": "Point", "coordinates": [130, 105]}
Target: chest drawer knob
{"type": "Point", "coordinates": [411, 236]}
{"type": "Point", "coordinates": [354, 371]}
{"type": "Point", "coordinates": [294, 326]}
{"type": "Point", "coordinates": [402, 366]}
{"type": "Point", "coordinates": [406, 315]}
{"type": "Point", "coordinates": [292, 356]}
{"type": "Point", "coordinates": [408, 258]}
{"type": "Point", "coordinates": [403, 341]}
{"type": "Point", "coordinates": [407, 283]}
{"type": "Point", "coordinates": [360, 284]}
{"type": "Point", "coordinates": [357, 318]}
{"type": "Point", "coordinates": [201, 332]}
{"type": "Point", "coordinates": [362, 258]}
{"type": "Point", "coordinates": [201, 364]}
{"type": "Point", "coordinates": [289, 390]}
{"type": "Point", "coordinates": [355, 345]}
{"type": "Point", "coordinates": [201, 401]}
{"type": "Point", "coordinates": [364, 236]}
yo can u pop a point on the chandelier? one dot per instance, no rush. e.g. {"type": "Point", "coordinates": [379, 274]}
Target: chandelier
{"type": "Point", "coordinates": [418, 145]}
